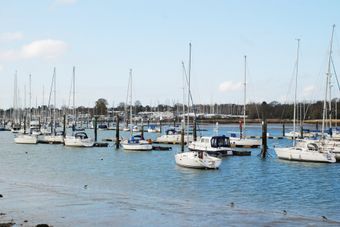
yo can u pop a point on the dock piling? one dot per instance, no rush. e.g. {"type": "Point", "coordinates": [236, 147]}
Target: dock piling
{"type": "Point", "coordinates": [182, 136]}
{"type": "Point", "coordinates": [64, 126]}
{"type": "Point", "coordinates": [117, 132]}
{"type": "Point", "coordinates": [195, 130]}
{"type": "Point", "coordinates": [283, 129]}
{"type": "Point", "coordinates": [95, 128]}
{"type": "Point", "coordinates": [264, 131]}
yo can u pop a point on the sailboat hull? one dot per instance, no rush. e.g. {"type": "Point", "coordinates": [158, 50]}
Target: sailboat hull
{"type": "Point", "coordinates": [26, 139]}
{"type": "Point", "coordinates": [192, 160]}
{"type": "Point", "coordinates": [296, 154]}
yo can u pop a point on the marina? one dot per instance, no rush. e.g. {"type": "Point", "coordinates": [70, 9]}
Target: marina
{"type": "Point", "coordinates": [117, 181]}
{"type": "Point", "coordinates": [169, 113]}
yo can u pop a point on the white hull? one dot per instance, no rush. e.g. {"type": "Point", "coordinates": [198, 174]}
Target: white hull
{"type": "Point", "coordinates": [137, 146]}
{"type": "Point", "coordinates": [71, 141]}
{"type": "Point", "coordinates": [26, 139]}
{"type": "Point", "coordinates": [244, 142]}
{"type": "Point", "coordinates": [51, 139]}
{"type": "Point", "coordinates": [173, 138]}
{"type": "Point", "coordinates": [205, 144]}
{"type": "Point", "coordinates": [333, 146]}
{"type": "Point", "coordinates": [192, 160]}
{"type": "Point", "coordinates": [300, 154]}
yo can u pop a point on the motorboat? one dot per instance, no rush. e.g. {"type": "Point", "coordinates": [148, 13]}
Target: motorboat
{"type": "Point", "coordinates": [328, 144]}
{"type": "Point", "coordinates": [197, 160]}
{"type": "Point", "coordinates": [307, 152]}
{"type": "Point", "coordinates": [215, 145]}
{"type": "Point", "coordinates": [79, 139]}
{"type": "Point", "coordinates": [136, 143]}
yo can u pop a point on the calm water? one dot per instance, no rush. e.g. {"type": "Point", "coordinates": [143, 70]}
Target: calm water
{"type": "Point", "coordinates": [45, 184]}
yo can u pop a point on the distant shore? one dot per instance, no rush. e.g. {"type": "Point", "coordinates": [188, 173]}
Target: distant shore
{"type": "Point", "coordinates": [258, 121]}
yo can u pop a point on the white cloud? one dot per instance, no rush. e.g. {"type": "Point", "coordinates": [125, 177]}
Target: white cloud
{"type": "Point", "coordinates": [64, 2]}
{"type": "Point", "coordinates": [47, 48]}
{"type": "Point", "coordinates": [228, 86]}
{"type": "Point", "coordinates": [308, 90]}
{"type": "Point", "coordinates": [11, 36]}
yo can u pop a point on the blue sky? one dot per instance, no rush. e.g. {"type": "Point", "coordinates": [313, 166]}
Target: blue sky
{"type": "Point", "coordinates": [104, 39]}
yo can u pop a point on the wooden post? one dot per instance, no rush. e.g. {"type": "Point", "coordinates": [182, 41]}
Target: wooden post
{"type": "Point", "coordinates": [117, 132]}
{"type": "Point", "coordinates": [142, 131]}
{"type": "Point", "coordinates": [64, 126]}
{"type": "Point", "coordinates": [95, 128]}
{"type": "Point", "coordinates": [301, 132]}
{"type": "Point", "coordinates": [241, 133]}
{"type": "Point", "coordinates": [174, 122]}
{"type": "Point", "coordinates": [195, 130]}
{"type": "Point", "coordinates": [182, 136]}
{"type": "Point", "coordinates": [25, 124]}
{"type": "Point", "coordinates": [264, 131]}
{"type": "Point", "coordinates": [283, 129]}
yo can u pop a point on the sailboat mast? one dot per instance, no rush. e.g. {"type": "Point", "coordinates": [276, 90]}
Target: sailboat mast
{"type": "Point", "coordinates": [245, 95]}
{"type": "Point", "coordinates": [330, 78]}
{"type": "Point", "coordinates": [328, 75]}
{"type": "Point", "coordinates": [189, 75]}
{"type": "Point", "coordinates": [74, 93]}
{"type": "Point", "coordinates": [15, 97]}
{"type": "Point", "coordinates": [131, 101]}
{"type": "Point", "coordinates": [295, 92]}
{"type": "Point", "coordinates": [55, 99]}
{"type": "Point", "coordinates": [184, 78]}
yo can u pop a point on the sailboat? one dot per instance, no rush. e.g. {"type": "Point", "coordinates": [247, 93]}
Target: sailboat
{"type": "Point", "coordinates": [78, 139]}
{"type": "Point", "coordinates": [23, 138]}
{"type": "Point", "coordinates": [52, 137]}
{"type": "Point", "coordinates": [308, 151]}
{"type": "Point", "coordinates": [135, 143]}
{"type": "Point", "coordinates": [242, 141]}
{"type": "Point", "coordinates": [194, 158]}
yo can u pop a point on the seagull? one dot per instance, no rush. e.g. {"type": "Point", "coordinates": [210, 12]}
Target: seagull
{"type": "Point", "coordinates": [284, 212]}
{"type": "Point", "coordinates": [85, 186]}
{"type": "Point", "coordinates": [232, 204]}
{"type": "Point", "coordinates": [324, 218]}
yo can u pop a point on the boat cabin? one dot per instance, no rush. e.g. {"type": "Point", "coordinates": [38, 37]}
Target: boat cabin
{"type": "Point", "coordinates": [81, 135]}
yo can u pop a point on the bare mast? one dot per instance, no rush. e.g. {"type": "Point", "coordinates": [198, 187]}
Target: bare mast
{"type": "Point", "coordinates": [189, 79]}
{"type": "Point", "coordinates": [245, 96]}
{"type": "Point", "coordinates": [295, 92]}
{"type": "Point", "coordinates": [328, 75]}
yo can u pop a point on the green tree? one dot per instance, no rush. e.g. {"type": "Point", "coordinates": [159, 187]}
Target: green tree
{"type": "Point", "coordinates": [101, 106]}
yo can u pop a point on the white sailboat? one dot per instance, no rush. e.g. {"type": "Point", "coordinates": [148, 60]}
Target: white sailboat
{"type": "Point", "coordinates": [22, 137]}
{"type": "Point", "coordinates": [194, 159]}
{"type": "Point", "coordinates": [307, 151]}
{"type": "Point", "coordinates": [52, 137]}
{"type": "Point", "coordinates": [134, 143]}
{"type": "Point", "coordinates": [78, 139]}
{"type": "Point", "coordinates": [242, 141]}
{"type": "Point", "coordinates": [26, 139]}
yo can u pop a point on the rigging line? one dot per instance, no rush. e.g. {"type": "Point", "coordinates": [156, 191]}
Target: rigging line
{"type": "Point", "coordinates": [51, 88]}
{"type": "Point", "coordinates": [69, 94]}
{"type": "Point", "coordinates": [190, 95]}
{"type": "Point", "coordinates": [336, 76]}
{"type": "Point", "coordinates": [289, 90]}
